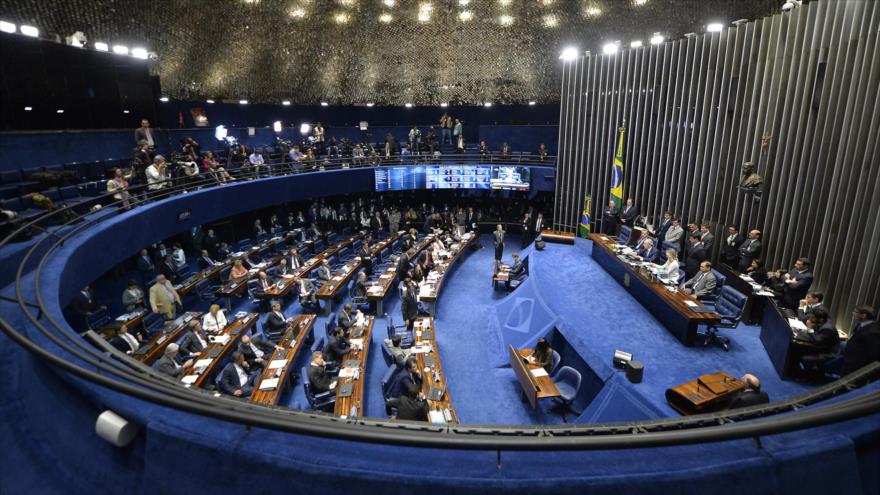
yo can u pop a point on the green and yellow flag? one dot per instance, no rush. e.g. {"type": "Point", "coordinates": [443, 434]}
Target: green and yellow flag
{"type": "Point", "coordinates": [584, 229]}
{"type": "Point", "coordinates": [617, 172]}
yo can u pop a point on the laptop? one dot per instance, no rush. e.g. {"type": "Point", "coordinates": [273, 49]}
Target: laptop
{"type": "Point", "coordinates": [345, 390]}
{"type": "Point", "coordinates": [429, 361]}
{"type": "Point", "coordinates": [352, 363]}
{"type": "Point", "coordinates": [436, 393]}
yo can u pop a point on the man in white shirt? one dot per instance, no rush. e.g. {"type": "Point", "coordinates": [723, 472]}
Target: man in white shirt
{"type": "Point", "coordinates": [257, 161]}
{"type": "Point", "coordinates": [237, 379]}
{"type": "Point", "coordinates": [156, 178]}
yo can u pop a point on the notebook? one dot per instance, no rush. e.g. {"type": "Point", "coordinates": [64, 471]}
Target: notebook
{"type": "Point", "coordinates": [436, 393]}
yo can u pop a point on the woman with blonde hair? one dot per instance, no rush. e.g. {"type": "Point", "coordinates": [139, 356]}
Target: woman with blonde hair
{"type": "Point", "coordinates": [214, 321]}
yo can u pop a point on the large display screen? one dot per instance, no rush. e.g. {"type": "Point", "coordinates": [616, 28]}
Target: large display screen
{"type": "Point", "coordinates": [452, 177]}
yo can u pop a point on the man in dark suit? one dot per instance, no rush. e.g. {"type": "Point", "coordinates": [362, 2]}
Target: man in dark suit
{"type": "Point", "coordinates": [144, 134]}
{"type": "Point", "coordinates": [295, 260]}
{"type": "Point", "coordinates": [498, 241]}
{"type": "Point", "coordinates": [323, 272]}
{"type": "Point", "coordinates": [256, 351]}
{"type": "Point", "coordinates": [223, 251]}
{"type": "Point", "coordinates": [338, 346]}
{"type": "Point", "coordinates": [706, 237]}
{"type": "Point", "coordinates": [237, 379]}
{"type": "Point", "coordinates": [526, 229]}
{"type": "Point", "coordinates": [819, 346]}
{"type": "Point", "coordinates": [629, 213]}
{"type": "Point", "coordinates": [538, 227]}
{"type": "Point", "coordinates": [167, 364]}
{"type": "Point", "coordinates": [730, 248]}
{"type": "Point", "coordinates": [263, 283]}
{"type": "Point", "coordinates": [282, 269]}
{"type": "Point", "coordinates": [749, 250]}
{"type": "Point", "coordinates": [168, 269]}
{"type": "Point", "coordinates": [195, 341]}
{"type": "Point", "coordinates": [146, 267]}
{"type": "Point", "coordinates": [696, 254]}
{"type": "Point", "coordinates": [610, 214]}
{"type": "Point", "coordinates": [811, 302]}
{"type": "Point", "coordinates": [366, 255]}
{"type": "Point", "coordinates": [160, 253]}
{"type": "Point", "coordinates": [665, 223]}
{"type": "Point", "coordinates": [409, 376]}
{"type": "Point", "coordinates": [211, 242]}
{"type": "Point", "coordinates": [795, 284]}
{"type": "Point", "coordinates": [470, 219]}
{"type": "Point", "coordinates": [307, 294]}
{"type": "Point", "coordinates": [402, 266]}
{"type": "Point", "coordinates": [276, 323]}
{"type": "Point", "coordinates": [205, 260]}
{"type": "Point", "coordinates": [751, 395]}
{"type": "Point", "coordinates": [648, 252]}
{"type": "Point", "coordinates": [126, 342]}
{"type": "Point", "coordinates": [412, 405]}
{"type": "Point", "coordinates": [518, 270]}
{"type": "Point", "coordinates": [376, 223]}
{"type": "Point", "coordinates": [345, 320]}
{"type": "Point", "coordinates": [409, 304]}
{"type": "Point", "coordinates": [319, 379]}
{"type": "Point", "coordinates": [863, 346]}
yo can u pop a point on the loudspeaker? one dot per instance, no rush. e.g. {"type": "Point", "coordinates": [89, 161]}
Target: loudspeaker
{"type": "Point", "coordinates": [635, 370]}
{"type": "Point", "coordinates": [115, 429]}
{"type": "Point", "coordinates": [620, 359]}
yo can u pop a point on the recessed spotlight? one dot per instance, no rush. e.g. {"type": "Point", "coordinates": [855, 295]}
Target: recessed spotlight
{"type": "Point", "coordinates": [209, 102]}
{"type": "Point", "coordinates": [487, 104]}
{"type": "Point", "coordinates": [298, 13]}
{"type": "Point", "coordinates": [324, 104]}
{"type": "Point", "coordinates": [140, 53]}
{"type": "Point", "coordinates": [504, 3]}
{"type": "Point", "coordinates": [276, 126]}
{"type": "Point", "coordinates": [341, 18]}
{"type": "Point", "coordinates": [568, 54]}
{"type": "Point", "coordinates": [505, 20]}
{"type": "Point", "coordinates": [7, 27]}
{"type": "Point", "coordinates": [610, 48]}
{"type": "Point", "coordinates": [715, 27]}
{"type": "Point", "coordinates": [425, 10]}
{"type": "Point", "coordinates": [126, 112]}
{"type": "Point", "coordinates": [656, 39]}
{"type": "Point", "coordinates": [636, 44]}
{"type": "Point", "coordinates": [120, 49]}
{"type": "Point", "coordinates": [101, 46]}
{"type": "Point", "coordinates": [550, 20]}
{"type": "Point", "coordinates": [286, 103]}
{"type": "Point", "coordinates": [29, 31]}
{"type": "Point", "coordinates": [532, 103]}
{"type": "Point", "coordinates": [164, 98]}
{"type": "Point", "coordinates": [592, 12]}
{"type": "Point", "coordinates": [389, 3]}
{"type": "Point", "coordinates": [60, 110]}
{"type": "Point", "coordinates": [242, 102]}
{"type": "Point", "coordinates": [370, 104]}
{"type": "Point", "coordinates": [463, 2]}
{"type": "Point", "coordinates": [465, 15]}
{"type": "Point", "coordinates": [28, 109]}
{"type": "Point", "coordinates": [639, 3]}
{"type": "Point", "coordinates": [386, 18]}
{"type": "Point", "coordinates": [408, 105]}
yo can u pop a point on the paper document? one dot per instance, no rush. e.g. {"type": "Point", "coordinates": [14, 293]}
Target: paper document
{"type": "Point", "coordinates": [691, 304]}
{"type": "Point", "coordinates": [202, 363]}
{"type": "Point", "coordinates": [796, 324]}
{"type": "Point", "coordinates": [219, 339]}
{"type": "Point", "coordinates": [347, 372]}
{"type": "Point", "coordinates": [269, 384]}
{"type": "Point", "coordinates": [436, 417]}
{"type": "Point", "coordinates": [359, 343]}
{"type": "Point", "coordinates": [539, 372]}
{"type": "Point", "coordinates": [189, 379]}
{"type": "Point", "coordinates": [277, 363]}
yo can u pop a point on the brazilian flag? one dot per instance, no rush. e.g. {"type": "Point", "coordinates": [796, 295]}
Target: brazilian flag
{"type": "Point", "coordinates": [584, 230]}
{"type": "Point", "coordinates": [617, 172]}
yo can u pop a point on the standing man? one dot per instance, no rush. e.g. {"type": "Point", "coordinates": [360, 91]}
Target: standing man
{"type": "Point", "coordinates": [526, 229]}
{"type": "Point", "coordinates": [796, 283]}
{"type": "Point", "coordinates": [674, 233]}
{"type": "Point", "coordinates": [445, 128]}
{"type": "Point", "coordinates": [163, 298]}
{"type": "Point", "coordinates": [629, 213]}
{"type": "Point", "coordinates": [539, 224]}
{"type": "Point", "coordinates": [610, 215]}
{"type": "Point", "coordinates": [730, 248]}
{"type": "Point", "coordinates": [144, 133]}
{"type": "Point", "coordinates": [749, 250]}
{"type": "Point", "coordinates": [394, 220]}
{"type": "Point", "coordinates": [696, 255]}
{"type": "Point", "coordinates": [665, 223]}
{"type": "Point", "coordinates": [146, 267]}
{"type": "Point", "coordinates": [498, 241]}
{"type": "Point", "coordinates": [706, 237]}
{"type": "Point", "coordinates": [409, 303]}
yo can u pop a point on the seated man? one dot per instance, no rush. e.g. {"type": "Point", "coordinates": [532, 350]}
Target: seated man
{"type": "Point", "coordinates": [751, 395]}
{"type": "Point", "coordinates": [338, 346]}
{"type": "Point", "coordinates": [648, 252]}
{"type": "Point", "coordinates": [264, 283]}
{"type": "Point", "coordinates": [323, 272]}
{"type": "Point", "coordinates": [399, 354]}
{"type": "Point", "coordinates": [276, 323]}
{"type": "Point", "coordinates": [237, 379]}
{"type": "Point", "coordinates": [296, 261]}
{"type": "Point", "coordinates": [195, 341]}
{"type": "Point", "coordinates": [205, 260]}
{"type": "Point", "coordinates": [345, 318]}
{"type": "Point", "coordinates": [411, 405]}
{"type": "Point", "coordinates": [282, 269]}
{"type": "Point", "coordinates": [256, 351]}
{"type": "Point", "coordinates": [821, 344]}
{"type": "Point", "coordinates": [125, 341]}
{"type": "Point", "coordinates": [517, 271]}
{"type": "Point", "coordinates": [167, 364]}
{"type": "Point", "coordinates": [863, 346]}
{"type": "Point", "coordinates": [410, 375]}
{"type": "Point", "coordinates": [319, 379]}
{"type": "Point", "coordinates": [360, 285]}
{"type": "Point", "coordinates": [812, 302]}
{"type": "Point", "coordinates": [307, 294]}
{"type": "Point", "coordinates": [703, 283]}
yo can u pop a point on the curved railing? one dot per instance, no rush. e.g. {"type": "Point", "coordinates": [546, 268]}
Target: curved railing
{"type": "Point", "coordinates": [93, 361]}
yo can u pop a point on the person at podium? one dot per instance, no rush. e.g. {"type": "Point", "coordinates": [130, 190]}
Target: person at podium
{"type": "Point", "coordinates": [751, 395]}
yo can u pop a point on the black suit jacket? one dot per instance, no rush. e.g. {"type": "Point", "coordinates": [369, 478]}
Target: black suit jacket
{"type": "Point", "coordinates": [402, 267]}
{"type": "Point", "coordinates": [205, 263]}
{"type": "Point", "coordinates": [729, 252]}
{"type": "Point", "coordinates": [228, 381]}
{"type": "Point", "coordinates": [746, 398]}
{"type": "Point", "coordinates": [250, 356]}
{"type": "Point", "coordinates": [409, 306]}
{"type": "Point", "coordinates": [345, 320]}
{"type": "Point", "coordinates": [145, 264]}
{"type": "Point", "coordinates": [695, 256]}
{"type": "Point", "coordinates": [337, 348]}
{"type": "Point", "coordinates": [275, 323]}
{"type": "Point", "coordinates": [121, 344]}
{"type": "Point", "coordinates": [319, 379]}
{"type": "Point", "coordinates": [628, 217]}
{"type": "Point", "coordinates": [404, 381]}
{"type": "Point", "coordinates": [169, 271]}
{"type": "Point", "coordinates": [661, 232]}
{"type": "Point", "coordinates": [190, 343]}
{"type": "Point", "coordinates": [793, 293]}
{"type": "Point", "coordinates": [863, 348]}
{"type": "Point", "coordinates": [210, 243]}
{"type": "Point", "coordinates": [82, 305]}
{"type": "Point", "coordinates": [749, 250]}
{"type": "Point", "coordinates": [412, 409]}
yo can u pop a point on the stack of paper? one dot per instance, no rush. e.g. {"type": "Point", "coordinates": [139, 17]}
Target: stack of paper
{"type": "Point", "coordinates": [269, 384]}
{"type": "Point", "coordinates": [219, 339]}
{"type": "Point", "coordinates": [347, 372]}
{"type": "Point", "coordinates": [796, 324]}
{"type": "Point", "coordinates": [539, 372]}
{"type": "Point", "coordinates": [189, 379]}
{"type": "Point", "coordinates": [277, 363]}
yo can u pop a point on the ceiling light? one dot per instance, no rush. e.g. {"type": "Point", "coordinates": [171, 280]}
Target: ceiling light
{"type": "Point", "coordinates": [568, 54]}
{"type": "Point", "coordinates": [465, 15]}
{"type": "Point", "coordinates": [444, 105]}
{"type": "Point", "coordinates": [7, 27]}
{"type": "Point", "coordinates": [740, 22]}
{"type": "Point", "coordinates": [28, 109]}
{"type": "Point", "coordinates": [636, 44]}
{"type": "Point", "coordinates": [656, 39]}
{"type": "Point", "coordinates": [29, 31]}
{"type": "Point", "coordinates": [126, 112]}
{"type": "Point", "coordinates": [341, 18]}
{"type": "Point", "coordinates": [425, 10]}
{"type": "Point", "coordinates": [164, 98]}
{"type": "Point", "coordinates": [120, 49]}
{"type": "Point", "coordinates": [209, 102]}
{"type": "Point", "coordinates": [790, 5]}
{"type": "Point", "coordinates": [242, 102]}
{"type": "Point", "coordinates": [59, 111]}
{"type": "Point", "coordinates": [324, 104]}
{"type": "Point", "coordinates": [388, 3]}
{"type": "Point", "coordinates": [386, 18]}
{"type": "Point", "coordinates": [715, 27]}
{"type": "Point", "coordinates": [77, 39]}
{"type": "Point", "coordinates": [504, 2]}
{"type": "Point", "coordinates": [140, 53]}
{"type": "Point", "coordinates": [463, 2]}
{"type": "Point", "coordinates": [101, 46]}
{"type": "Point", "coordinates": [592, 12]}
{"type": "Point", "coordinates": [304, 129]}
{"type": "Point", "coordinates": [346, 3]}
{"type": "Point", "coordinates": [547, 3]}
{"type": "Point", "coordinates": [276, 126]}
{"type": "Point", "coordinates": [286, 103]}
{"type": "Point", "coordinates": [609, 48]}
{"type": "Point", "coordinates": [487, 104]}
{"type": "Point", "coordinates": [639, 3]}
{"type": "Point", "coordinates": [550, 20]}
{"type": "Point", "coordinates": [370, 104]}
{"type": "Point", "coordinates": [298, 13]}
{"type": "Point", "coordinates": [408, 105]}
{"type": "Point", "coordinates": [690, 35]}
{"type": "Point", "coordinates": [220, 132]}
{"type": "Point", "coordinates": [532, 103]}
{"type": "Point", "coordinates": [505, 20]}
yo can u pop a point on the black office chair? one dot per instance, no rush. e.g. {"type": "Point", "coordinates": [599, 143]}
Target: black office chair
{"type": "Point", "coordinates": [729, 306]}
{"type": "Point", "coordinates": [321, 401]}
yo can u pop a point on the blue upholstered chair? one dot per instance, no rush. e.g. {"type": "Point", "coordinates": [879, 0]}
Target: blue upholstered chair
{"type": "Point", "coordinates": [205, 291]}
{"type": "Point", "coordinates": [98, 319]}
{"type": "Point", "coordinates": [568, 381]}
{"type": "Point", "coordinates": [554, 364]}
{"type": "Point", "coordinates": [323, 400]}
{"type": "Point", "coordinates": [153, 323]}
{"type": "Point", "coordinates": [625, 233]}
{"type": "Point", "coordinates": [729, 306]}
{"type": "Point", "coordinates": [389, 379]}
{"type": "Point", "coordinates": [329, 325]}
{"type": "Point", "coordinates": [357, 302]}
{"type": "Point", "coordinates": [406, 337]}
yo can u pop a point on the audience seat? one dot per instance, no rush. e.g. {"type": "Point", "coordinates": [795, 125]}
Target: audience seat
{"type": "Point", "coordinates": [625, 233]}
{"type": "Point", "coordinates": [729, 306]}
{"type": "Point", "coordinates": [323, 400]}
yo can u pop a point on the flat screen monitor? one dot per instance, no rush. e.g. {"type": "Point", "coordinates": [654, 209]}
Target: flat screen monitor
{"type": "Point", "coordinates": [514, 177]}
{"type": "Point", "coordinates": [406, 177]}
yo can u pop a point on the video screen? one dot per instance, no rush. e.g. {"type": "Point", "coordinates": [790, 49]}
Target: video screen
{"type": "Point", "coordinates": [458, 177]}
{"type": "Point", "coordinates": [399, 178]}
{"type": "Point", "coordinates": [512, 177]}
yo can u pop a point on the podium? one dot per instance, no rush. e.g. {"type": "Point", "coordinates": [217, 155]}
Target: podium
{"type": "Point", "coordinates": [709, 393]}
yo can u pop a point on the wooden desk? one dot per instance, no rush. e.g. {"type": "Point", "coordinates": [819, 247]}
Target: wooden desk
{"type": "Point", "coordinates": [502, 275]}
{"type": "Point", "coordinates": [234, 330]}
{"type": "Point", "coordinates": [425, 336]}
{"type": "Point", "coordinates": [292, 341]}
{"type": "Point", "coordinates": [429, 290]}
{"type": "Point", "coordinates": [353, 404]}
{"type": "Point", "coordinates": [708, 393]}
{"type": "Point", "coordinates": [670, 308]}
{"type": "Point", "coordinates": [534, 388]}
{"type": "Point", "coordinates": [331, 288]}
{"type": "Point", "coordinates": [172, 331]}
{"type": "Point", "coordinates": [134, 322]}
{"type": "Point", "coordinates": [753, 310]}
{"type": "Point", "coordinates": [559, 236]}
{"type": "Point", "coordinates": [275, 291]}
